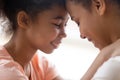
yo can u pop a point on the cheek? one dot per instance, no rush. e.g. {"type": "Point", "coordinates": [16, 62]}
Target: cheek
{"type": "Point", "coordinates": [88, 29]}
{"type": "Point", "coordinates": [84, 27]}
{"type": "Point", "coordinates": [55, 32]}
{"type": "Point", "coordinates": [50, 33]}
{"type": "Point", "coordinates": [87, 24]}
{"type": "Point", "coordinates": [43, 33]}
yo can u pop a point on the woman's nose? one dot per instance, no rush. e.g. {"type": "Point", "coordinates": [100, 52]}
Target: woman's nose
{"type": "Point", "coordinates": [82, 36]}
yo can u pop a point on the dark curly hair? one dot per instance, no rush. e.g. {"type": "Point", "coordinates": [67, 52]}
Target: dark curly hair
{"type": "Point", "coordinates": [10, 9]}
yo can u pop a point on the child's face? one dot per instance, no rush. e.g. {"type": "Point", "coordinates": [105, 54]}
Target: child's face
{"type": "Point", "coordinates": [90, 24]}
{"type": "Point", "coordinates": [48, 30]}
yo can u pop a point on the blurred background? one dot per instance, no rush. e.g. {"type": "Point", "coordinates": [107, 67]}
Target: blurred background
{"type": "Point", "coordinates": [74, 55]}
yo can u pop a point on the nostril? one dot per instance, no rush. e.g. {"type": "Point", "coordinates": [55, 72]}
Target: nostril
{"type": "Point", "coordinates": [83, 37]}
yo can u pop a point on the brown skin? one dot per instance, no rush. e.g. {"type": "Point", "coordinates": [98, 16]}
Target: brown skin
{"type": "Point", "coordinates": [101, 26]}
{"type": "Point", "coordinates": [95, 24]}
{"type": "Point", "coordinates": [107, 52]}
{"type": "Point", "coordinates": [45, 32]}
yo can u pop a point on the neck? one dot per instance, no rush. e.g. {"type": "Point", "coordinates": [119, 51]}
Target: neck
{"type": "Point", "coordinates": [20, 51]}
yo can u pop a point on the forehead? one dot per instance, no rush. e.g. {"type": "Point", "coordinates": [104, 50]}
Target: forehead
{"type": "Point", "coordinates": [72, 8]}
{"type": "Point", "coordinates": [76, 10]}
{"type": "Point", "coordinates": [54, 11]}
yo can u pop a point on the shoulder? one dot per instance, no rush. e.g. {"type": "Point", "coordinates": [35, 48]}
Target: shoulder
{"type": "Point", "coordinates": [110, 70]}
{"type": "Point", "coordinates": [12, 74]}
{"type": "Point", "coordinates": [41, 60]}
{"type": "Point", "coordinates": [9, 69]}
{"type": "Point", "coordinates": [43, 64]}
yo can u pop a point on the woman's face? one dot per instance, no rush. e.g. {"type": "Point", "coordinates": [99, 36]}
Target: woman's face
{"type": "Point", "coordinates": [48, 29]}
{"type": "Point", "coordinates": [91, 24]}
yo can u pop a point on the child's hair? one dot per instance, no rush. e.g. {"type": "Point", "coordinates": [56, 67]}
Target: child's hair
{"type": "Point", "coordinates": [87, 3]}
{"type": "Point", "coordinates": [10, 9]}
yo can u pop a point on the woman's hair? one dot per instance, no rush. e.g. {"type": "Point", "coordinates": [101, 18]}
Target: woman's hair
{"type": "Point", "coordinates": [10, 8]}
{"type": "Point", "coordinates": [87, 3]}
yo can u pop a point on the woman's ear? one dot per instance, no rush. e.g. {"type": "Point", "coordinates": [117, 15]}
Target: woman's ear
{"type": "Point", "coordinates": [100, 6]}
{"type": "Point", "coordinates": [22, 19]}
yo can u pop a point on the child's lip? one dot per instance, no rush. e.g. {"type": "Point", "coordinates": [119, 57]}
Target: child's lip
{"type": "Point", "coordinates": [56, 44]}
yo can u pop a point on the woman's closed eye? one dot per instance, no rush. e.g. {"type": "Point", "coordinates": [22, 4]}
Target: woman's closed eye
{"type": "Point", "coordinates": [78, 23]}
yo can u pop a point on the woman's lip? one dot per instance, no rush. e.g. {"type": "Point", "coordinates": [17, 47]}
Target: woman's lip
{"type": "Point", "coordinates": [89, 39]}
{"type": "Point", "coordinates": [94, 43]}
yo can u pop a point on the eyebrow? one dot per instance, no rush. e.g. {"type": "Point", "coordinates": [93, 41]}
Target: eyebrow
{"type": "Point", "coordinates": [59, 17]}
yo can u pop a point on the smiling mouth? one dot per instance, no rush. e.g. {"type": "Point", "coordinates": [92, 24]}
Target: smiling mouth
{"type": "Point", "coordinates": [89, 39]}
{"type": "Point", "coordinates": [56, 44]}
{"type": "Point", "coordinates": [93, 43]}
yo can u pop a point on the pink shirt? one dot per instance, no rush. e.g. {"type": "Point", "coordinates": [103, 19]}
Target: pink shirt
{"type": "Point", "coordinates": [38, 69]}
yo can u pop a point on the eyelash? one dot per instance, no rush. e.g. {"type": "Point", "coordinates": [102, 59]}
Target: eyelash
{"type": "Point", "coordinates": [78, 23]}
{"type": "Point", "coordinates": [58, 26]}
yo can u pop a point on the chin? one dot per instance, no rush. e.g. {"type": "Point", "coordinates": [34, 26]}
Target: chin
{"type": "Point", "coordinates": [99, 47]}
{"type": "Point", "coordinates": [96, 46]}
{"type": "Point", "coordinates": [48, 51]}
